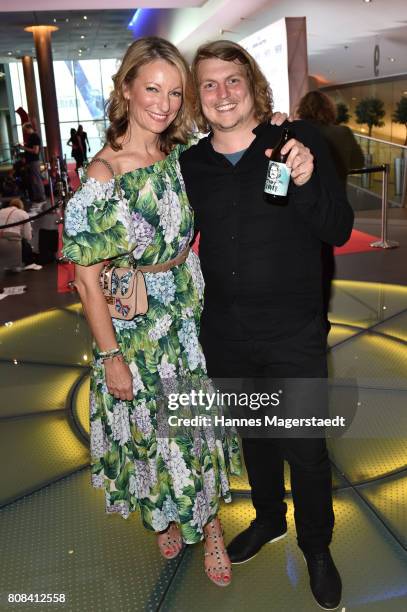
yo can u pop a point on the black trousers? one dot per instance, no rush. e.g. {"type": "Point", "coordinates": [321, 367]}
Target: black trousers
{"type": "Point", "coordinates": [301, 356]}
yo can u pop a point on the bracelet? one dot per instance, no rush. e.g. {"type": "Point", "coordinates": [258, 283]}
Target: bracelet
{"type": "Point", "coordinates": [109, 354]}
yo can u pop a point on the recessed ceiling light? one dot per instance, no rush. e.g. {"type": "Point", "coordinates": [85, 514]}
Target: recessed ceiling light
{"type": "Point", "coordinates": [82, 36]}
{"type": "Point", "coordinates": [391, 59]}
{"type": "Point", "coordinates": [85, 17]}
{"type": "Point", "coordinates": [67, 19]}
{"type": "Point", "coordinates": [353, 98]}
{"type": "Point", "coordinates": [54, 20]}
{"type": "Point", "coordinates": [367, 1]}
{"type": "Point", "coordinates": [9, 53]}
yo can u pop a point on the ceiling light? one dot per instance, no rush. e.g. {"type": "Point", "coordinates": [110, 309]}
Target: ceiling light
{"type": "Point", "coordinates": [404, 93]}
{"type": "Point", "coordinates": [82, 36]}
{"type": "Point", "coordinates": [67, 19]}
{"type": "Point", "coordinates": [85, 17]}
{"type": "Point", "coordinates": [9, 53]}
{"type": "Point", "coordinates": [391, 59]}
{"type": "Point", "coordinates": [55, 20]}
{"type": "Point", "coordinates": [353, 98]}
{"type": "Point", "coordinates": [367, 1]}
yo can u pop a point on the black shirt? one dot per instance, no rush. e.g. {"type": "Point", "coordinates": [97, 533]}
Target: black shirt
{"type": "Point", "coordinates": [33, 140]}
{"type": "Point", "coordinates": [262, 262]}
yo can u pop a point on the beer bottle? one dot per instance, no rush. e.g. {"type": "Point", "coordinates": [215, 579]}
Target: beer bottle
{"type": "Point", "coordinates": [278, 175]}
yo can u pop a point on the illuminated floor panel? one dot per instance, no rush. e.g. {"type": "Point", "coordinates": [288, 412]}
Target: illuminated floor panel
{"type": "Point", "coordinates": [365, 304]}
{"type": "Point", "coordinates": [365, 459]}
{"type": "Point", "coordinates": [53, 336]}
{"type": "Point", "coordinates": [59, 540]}
{"type": "Point", "coordinates": [388, 497]}
{"type": "Point", "coordinates": [47, 448]}
{"type": "Point", "coordinates": [29, 388]}
{"type": "Point", "coordinates": [397, 327]}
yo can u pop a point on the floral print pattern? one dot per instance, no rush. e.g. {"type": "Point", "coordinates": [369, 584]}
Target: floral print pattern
{"type": "Point", "coordinates": [167, 474]}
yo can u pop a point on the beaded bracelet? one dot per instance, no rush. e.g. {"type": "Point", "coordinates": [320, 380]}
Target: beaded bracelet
{"type": "Point", "coordinates": [109, 354]}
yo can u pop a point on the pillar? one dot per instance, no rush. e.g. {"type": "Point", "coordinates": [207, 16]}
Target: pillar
{"type": "Point", "coordinates": [297, 59]}
{"type": "Point", "coordinates": [31, 91]}
{"type": "Point", "coordinates": [42, 41]}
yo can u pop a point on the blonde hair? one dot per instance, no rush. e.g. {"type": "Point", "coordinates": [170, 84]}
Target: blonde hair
{"type": "Point", "coordinates": [17, 203]}
{"type": "Point", "coordinates": [141, 52]}
{"type": "Point", "coordinates": [230, 51]}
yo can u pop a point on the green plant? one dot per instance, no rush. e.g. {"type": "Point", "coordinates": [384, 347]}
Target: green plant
{"type": "Point", "coordinates": [342, 113]}
{"type": "Point", "coordinates": [400, 115]}
{"type": "Point", "coordinates": [371, 112]}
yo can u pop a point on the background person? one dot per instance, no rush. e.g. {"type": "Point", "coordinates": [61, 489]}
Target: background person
{"type": "Point", "coordinates": [11, 253]}
{"type": "Point", "coordinates": [346, 153]}
{"type": "Point", "coordinates": [32, 158]}
{"type": "Point", "coordinates": [77, 150]}
{"type": "Point", "coordinates": [84, 140]}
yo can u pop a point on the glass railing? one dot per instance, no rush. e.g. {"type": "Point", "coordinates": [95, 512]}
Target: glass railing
{"type": "Point", "coordinates": [378, 152]}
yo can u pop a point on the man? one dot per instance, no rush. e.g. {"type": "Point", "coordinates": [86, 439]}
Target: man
{"type": "Point", "coordinates": [32, 158]}
{"type": "Point", "coordinates": [263, 307]}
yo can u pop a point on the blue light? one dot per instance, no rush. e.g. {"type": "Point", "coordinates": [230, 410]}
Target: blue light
{"type": "Point", "coordinates": [133, 20]}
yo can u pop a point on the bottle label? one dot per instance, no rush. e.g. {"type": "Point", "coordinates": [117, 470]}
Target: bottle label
{"type": "Point", "coordinates": [278, 177]}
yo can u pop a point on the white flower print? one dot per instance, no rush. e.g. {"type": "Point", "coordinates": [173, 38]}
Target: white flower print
{"type": "Point", "coordinates": [138, 384]}
{"type": "Point", "coordinates": [170, 509]}
{"type": "Point", "coordinates": [141, 417]}
{"type": "Point", "coordinates": [98, 440]}
{"type": "Point", "coordinates": [97, 480]}
{"type": "Point", "coordinates": [200, 511]}
{"type": "Point", "coordinates": [161, 286]}
{"type": "Point", "coordinates": [119, 422]}
{"type": "Point", "coordinates": [169, 211]}
{"type": "Point", "coordinates": [142, 474]}
{"type": "Point", "coordinates": [158, 520]}
{"type": "Point", "coordinates": [161, 327]}
{"type": "Point", "coordinates": [188, 337]}
{"type": "Point", "coordinates": [165, 369]}
{"type": "Point", "coordinates": [196, 273]}
{"type": "Point", "coordinates": [178, 469]}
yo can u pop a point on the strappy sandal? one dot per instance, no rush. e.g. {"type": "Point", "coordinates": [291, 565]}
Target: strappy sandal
{"type": "Point", "coordinates": [220, 574]}
{"type": "Point", "coordinates": [171, 545]}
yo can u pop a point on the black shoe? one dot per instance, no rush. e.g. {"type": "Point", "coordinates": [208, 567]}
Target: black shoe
{"type": "Point", "coordinates": [325, 581]}
{"type": "Point", "coordinates": [247, 544]}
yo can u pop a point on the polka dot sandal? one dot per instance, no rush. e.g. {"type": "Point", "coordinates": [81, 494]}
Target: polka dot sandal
{"type": "Point", "coordinates": [217, 563]}
{"type": "Point", "coordinates": [170, 541]}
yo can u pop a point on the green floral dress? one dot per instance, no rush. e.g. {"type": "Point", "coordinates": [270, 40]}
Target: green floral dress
{"type": "Point", "coordinates": [175, 473]}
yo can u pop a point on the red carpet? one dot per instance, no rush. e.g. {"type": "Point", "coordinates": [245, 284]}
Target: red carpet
{"type": "Point", "coordinates": [359, 242]}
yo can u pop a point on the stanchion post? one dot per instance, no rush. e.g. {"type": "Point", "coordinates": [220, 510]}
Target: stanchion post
{"type": "Point", "coordinates": [383, 243]}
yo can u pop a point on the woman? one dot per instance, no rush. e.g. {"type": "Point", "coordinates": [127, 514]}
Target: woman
{"type": "Point", "coordinates": [11, 238]}
{"type": "Point", "coordinates": [77, 149]}
{"type": "Point", "coordinates": [135, 200]}
{"type": "Point", "coordinates": [83, 136]}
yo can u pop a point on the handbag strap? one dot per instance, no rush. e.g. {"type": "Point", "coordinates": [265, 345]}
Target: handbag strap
{"type": "Point", "coordinates": [109, 167]}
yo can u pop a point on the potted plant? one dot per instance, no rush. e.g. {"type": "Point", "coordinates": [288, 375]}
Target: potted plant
{"type": "Point", "coordinates": [342, 113]}
{"type": "Point", "coordinates": [400, 116]}
{"type": "Point", "coordinates": [369, 111]}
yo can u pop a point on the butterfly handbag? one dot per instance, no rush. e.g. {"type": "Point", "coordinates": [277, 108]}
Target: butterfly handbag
{"type": "Point", "coordinates": [125, 292]}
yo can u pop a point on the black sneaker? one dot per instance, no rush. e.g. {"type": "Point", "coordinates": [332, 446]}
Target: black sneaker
{"type": "Point", "coordinates": [247, 544]}
{"type": "Point", "coordinates": [325, 581]}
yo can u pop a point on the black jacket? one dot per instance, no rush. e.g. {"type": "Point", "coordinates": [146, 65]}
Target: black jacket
{"type": "Point", "coordinates": [262, 262]}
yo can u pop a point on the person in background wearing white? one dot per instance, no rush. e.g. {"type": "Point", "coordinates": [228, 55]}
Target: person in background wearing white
{"type": "Point", "coordinates": [11, 238]}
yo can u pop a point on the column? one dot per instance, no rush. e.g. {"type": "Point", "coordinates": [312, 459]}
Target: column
{"type": "Point", "coordinates": [4, 138]}
{"type": "Point", "coordinates": [297, 59]}
{"type": "Point", "coordinates": [42, 40]}
{"type": "Point", "coordinates": [31, 91]}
